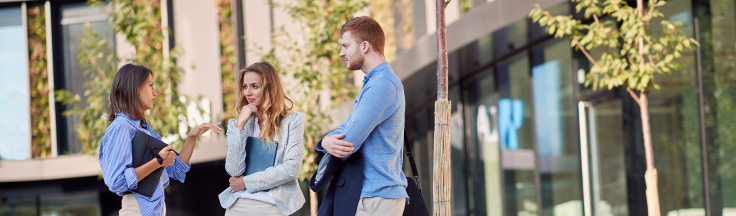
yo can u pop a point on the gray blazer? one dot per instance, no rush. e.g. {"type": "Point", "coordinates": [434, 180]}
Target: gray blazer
{"type": "Point", "coordinates": [282, 178]}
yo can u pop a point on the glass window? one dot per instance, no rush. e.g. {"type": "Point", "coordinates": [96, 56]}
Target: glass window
{"type": "Point", "coordinates": [516, 136]}
{"type": "Point", "coordinates": [19, 205]}
{"type": "Point", "coordinates": [15, 127]}
{"type": "Point", "coordinates": [606, 141]}
{"type": "Point", "coordinates": [720, 101]}
{"type": "Point", "coordinates": [75, 203]}
{"type": "Point", "coordinates": [556, 130]}
{"type": "Point", "coordinates": [457, 147]}
{"type": "Point", "coordinates": [482, 143]}
{"type": "Point", "coordinates": [514, 108]}
{"type": "Point", "coordinates": [675, 128]}
{"type": "Point", "coordinates": [537, 32]}
{"type": "Point", "coordinates": [474, 55]}
{"type": "Point", "coordinates": [80, 203]}
{"type": "Point", "coordinates": [423, 139]}
{"type": "Point", "coordinates": [485, 49]}
{"type": "Point", "coordinates": [509, 38]}
{"type": "Point", "coordinates": [73, 19]}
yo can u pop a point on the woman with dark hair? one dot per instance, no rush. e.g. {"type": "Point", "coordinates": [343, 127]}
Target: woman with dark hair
{"type": "Point", "coordinates": [263, 113]}
{"type": "Point", "coordinates": [131, 95]}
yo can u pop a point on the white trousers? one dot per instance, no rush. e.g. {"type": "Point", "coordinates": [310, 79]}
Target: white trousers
{"type": "Point", "coordinates": [377, 206]}
{"type": "Point", "coordinates": [130, 207]}
{"type": "Point", "coordinates": [248, 207]}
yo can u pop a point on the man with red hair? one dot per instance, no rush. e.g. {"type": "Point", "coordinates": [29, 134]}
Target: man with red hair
{"type": "Point", "coordinates": [376, 125]}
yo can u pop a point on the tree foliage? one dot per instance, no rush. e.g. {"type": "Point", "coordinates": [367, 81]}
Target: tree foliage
{"type": "Point", "coordinates": [382, 11]}
{"type": "Point", "coordinates": [100, 65]}
{"type": "Point", "coordinates": [637, 55]}
{"type": "Point", "coordinates": [632, 56]}
{"type": "Point", "coordinates": [140, 23]}
{"type": "Point", "coordinates": [40, 115]}
{"type": "Point", "coordinates": [227, 58]}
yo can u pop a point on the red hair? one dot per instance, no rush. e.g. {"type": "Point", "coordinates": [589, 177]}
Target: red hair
{"type": "Point", "coordinates": [364, 28]}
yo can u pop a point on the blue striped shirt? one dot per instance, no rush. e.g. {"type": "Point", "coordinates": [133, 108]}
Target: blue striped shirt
{"type": "Point", "coordinates": [376, 125]}
{"type": "Point", "coordinates": [116, 160]}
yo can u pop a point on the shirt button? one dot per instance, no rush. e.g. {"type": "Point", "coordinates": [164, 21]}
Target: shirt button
{"type": "Point", "coordinates": [353, 121]}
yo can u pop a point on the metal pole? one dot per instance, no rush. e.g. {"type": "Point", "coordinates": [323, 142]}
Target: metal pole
{"type": "Point", "coordinates": [50, 68]}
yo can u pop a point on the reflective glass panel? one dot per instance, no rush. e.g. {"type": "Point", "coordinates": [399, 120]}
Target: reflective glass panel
{"type": "Point", "coordinates": [556, 131]}
{"type": "Point", "coordinates": [675, 127]}
{"type": "Point", "coordinates": [15, 127]}
{"type": "Point", "coordinates": [516, 136]}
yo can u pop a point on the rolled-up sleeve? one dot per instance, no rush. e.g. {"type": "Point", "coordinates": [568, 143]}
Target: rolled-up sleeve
{"type": "Point", "coordinates": [179, 170]}
{"type": "Point", "coordinates": [116, 160]}
{"type": "Point", "coordinates": [319, 147]}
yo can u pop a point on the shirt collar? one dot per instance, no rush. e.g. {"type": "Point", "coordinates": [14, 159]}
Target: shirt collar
{"type": "Point", "coordinates": [137, 122]}
{"type": "Point", "coordinates": [257, 127]}
{"type": "Point", "coordinates": [376, 71]}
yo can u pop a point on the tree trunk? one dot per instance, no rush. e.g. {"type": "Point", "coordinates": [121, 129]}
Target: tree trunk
{"type": "Point", "coordinates": [651, 174]}
{"type": "Point", "coordinates": [313, 202]}
{"type": "Point", "coordinates": [441, 52]}
{"type": "Point", "coordinates": [313, 207]}
{"type": "Point", "coordinates": [441, 178]}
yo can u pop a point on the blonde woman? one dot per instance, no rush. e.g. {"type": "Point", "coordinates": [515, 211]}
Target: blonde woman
{"type": "Point", "coordinates": [263, 113]}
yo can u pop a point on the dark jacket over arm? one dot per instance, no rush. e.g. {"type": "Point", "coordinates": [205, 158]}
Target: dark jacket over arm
{"type": "Point", "coordinates": [346, 184]}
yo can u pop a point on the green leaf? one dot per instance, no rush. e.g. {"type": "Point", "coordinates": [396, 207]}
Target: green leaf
{"type": "Point", "coordinates": [658, 47]}
{"type": "Point", "coordinates": [668, 58]}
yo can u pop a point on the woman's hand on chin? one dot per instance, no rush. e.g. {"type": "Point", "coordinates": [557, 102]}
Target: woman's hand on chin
{"type": "Point", "coordinates": [245, 114]}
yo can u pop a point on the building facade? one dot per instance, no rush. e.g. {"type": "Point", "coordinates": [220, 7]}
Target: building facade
{"type": "Point", "coordinates": [528, 138]}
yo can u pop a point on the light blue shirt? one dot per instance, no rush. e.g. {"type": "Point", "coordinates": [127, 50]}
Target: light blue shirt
{"type": "Point", "coordinates": [376, 125]}
{"type": "Point", "coordinates": [116, 161]}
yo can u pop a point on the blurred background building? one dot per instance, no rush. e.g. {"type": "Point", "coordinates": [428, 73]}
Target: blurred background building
{"type": "Point", "coordinates": [528, 138]}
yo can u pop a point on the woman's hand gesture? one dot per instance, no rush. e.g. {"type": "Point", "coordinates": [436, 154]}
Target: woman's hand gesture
{"type": "Point", "coordinates": [204, 127]}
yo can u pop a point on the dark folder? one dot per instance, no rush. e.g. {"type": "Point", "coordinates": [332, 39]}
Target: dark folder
{"type": "Point", "coordinates": [259, 155]}
{"type": "Point", "coordinates": [145, 148]}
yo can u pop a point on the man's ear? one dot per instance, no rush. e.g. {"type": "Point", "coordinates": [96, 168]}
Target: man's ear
{"type": "Point", "coordinates": [365, 47]}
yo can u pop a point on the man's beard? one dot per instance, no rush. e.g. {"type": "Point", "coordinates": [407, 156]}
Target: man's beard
{"type": "Point", "coordinates": [357, 62]}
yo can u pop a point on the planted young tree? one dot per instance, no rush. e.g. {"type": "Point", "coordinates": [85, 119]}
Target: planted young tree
{"type": "Point", "coordinates": [442, 175]}
{"type": "Point", "coordinates": [140, 23]}
{"type": "Point", "coordinates": [632, 56]}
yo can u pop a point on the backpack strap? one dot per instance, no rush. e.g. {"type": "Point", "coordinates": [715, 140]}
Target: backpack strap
{"type": "Point", "coordinates": [409, 154]}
